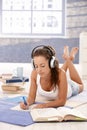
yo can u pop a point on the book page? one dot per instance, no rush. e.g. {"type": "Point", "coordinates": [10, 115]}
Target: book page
{"type": "Point", "coordinates": [46, 114]}
{"type": "Point", "coordinates": [77, 100]}
{"type": "Point", "coordinates": [71, 113]}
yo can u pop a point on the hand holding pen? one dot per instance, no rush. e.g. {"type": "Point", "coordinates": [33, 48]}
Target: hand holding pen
{"type": "Point", "coordinates": [24, 105]}
{"type": "Point", "coordinates": [25, 101]}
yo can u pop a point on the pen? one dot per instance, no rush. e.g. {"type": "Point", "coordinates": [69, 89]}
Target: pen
{"type": "Point", "coordinates": [24, 101]}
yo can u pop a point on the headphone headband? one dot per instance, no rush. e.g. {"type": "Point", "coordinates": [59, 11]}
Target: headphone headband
{"type": "Point", "coordinates": [52, 54]}
{"type": "Point", "coordinates": [42, 47]}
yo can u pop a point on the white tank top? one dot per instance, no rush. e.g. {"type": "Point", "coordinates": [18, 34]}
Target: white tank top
{"type": "Point", "coordinates": [53, 94]}
{"type": "Point", "coordinates": [49, 95]}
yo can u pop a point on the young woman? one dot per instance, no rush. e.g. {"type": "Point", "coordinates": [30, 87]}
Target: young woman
{"type": "Point", "coordinates": [49, 80]}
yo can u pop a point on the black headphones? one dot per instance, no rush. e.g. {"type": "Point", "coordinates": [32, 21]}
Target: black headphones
{"type": "Point", "coordinates": [52, 59]}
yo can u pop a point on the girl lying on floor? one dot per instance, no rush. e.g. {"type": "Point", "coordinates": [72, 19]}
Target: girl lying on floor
{"type": "Point", "coordinates": [50, 81]}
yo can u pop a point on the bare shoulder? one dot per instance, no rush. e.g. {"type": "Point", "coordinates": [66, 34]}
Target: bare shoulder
{"type": "Point", "coordinates": [62, 73]}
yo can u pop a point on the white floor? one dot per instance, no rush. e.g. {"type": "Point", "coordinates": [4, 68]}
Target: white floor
{"type": "Point", "coordinates": [48, 126]}
{"type": "Point", "coordinates": [8, 68]}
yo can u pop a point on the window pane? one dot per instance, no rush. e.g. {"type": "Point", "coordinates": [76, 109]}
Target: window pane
{"type": "Point", "coordinates": [37, 18]}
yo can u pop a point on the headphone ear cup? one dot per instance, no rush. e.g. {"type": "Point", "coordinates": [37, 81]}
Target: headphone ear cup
{"type": "Point", "coordinates": [52, 62]}
{"type": "Point", "coordinates": [32, 63]}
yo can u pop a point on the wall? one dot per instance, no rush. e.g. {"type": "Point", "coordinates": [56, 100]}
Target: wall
{"type": "Point", "coordinates": [19, 50]}
{"type": "Point", "coordinates": [76, 17]}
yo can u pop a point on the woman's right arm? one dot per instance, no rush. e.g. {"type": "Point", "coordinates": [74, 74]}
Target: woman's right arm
{"type": "Point", "coordinates": [32, 91]}
{"type": "Point", "coordinates": [33, 88]}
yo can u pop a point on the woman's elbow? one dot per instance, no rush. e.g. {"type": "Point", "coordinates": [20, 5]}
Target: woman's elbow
{"type": "Point", "coordinates": [61, 102]}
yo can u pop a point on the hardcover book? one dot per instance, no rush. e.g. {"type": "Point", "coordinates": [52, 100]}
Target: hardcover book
{"type": "Point", "coordinates": [15, 79]}
{"type": "Point", "coordinates": [57, 114]}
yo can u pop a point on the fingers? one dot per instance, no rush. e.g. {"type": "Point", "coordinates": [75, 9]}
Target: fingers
{"type": "Point", "coordinates": [23, 106]}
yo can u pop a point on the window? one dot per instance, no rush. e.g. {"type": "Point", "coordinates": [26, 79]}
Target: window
{"type": "Point", "coordinates": [32, 18]}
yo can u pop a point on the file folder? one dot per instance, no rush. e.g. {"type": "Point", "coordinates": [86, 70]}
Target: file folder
{"type": "Point", "coordinates": [16, 99]}
{"type": "Point", "coordinates": [21, 118]}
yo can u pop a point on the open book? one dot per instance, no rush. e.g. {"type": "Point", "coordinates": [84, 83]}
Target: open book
{"type": "Point", "coordinates": [56, 114]}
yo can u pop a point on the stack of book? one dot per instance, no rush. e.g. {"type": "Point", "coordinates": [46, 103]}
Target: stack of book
{"type": "Point", "coordinates": [13, 84]}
